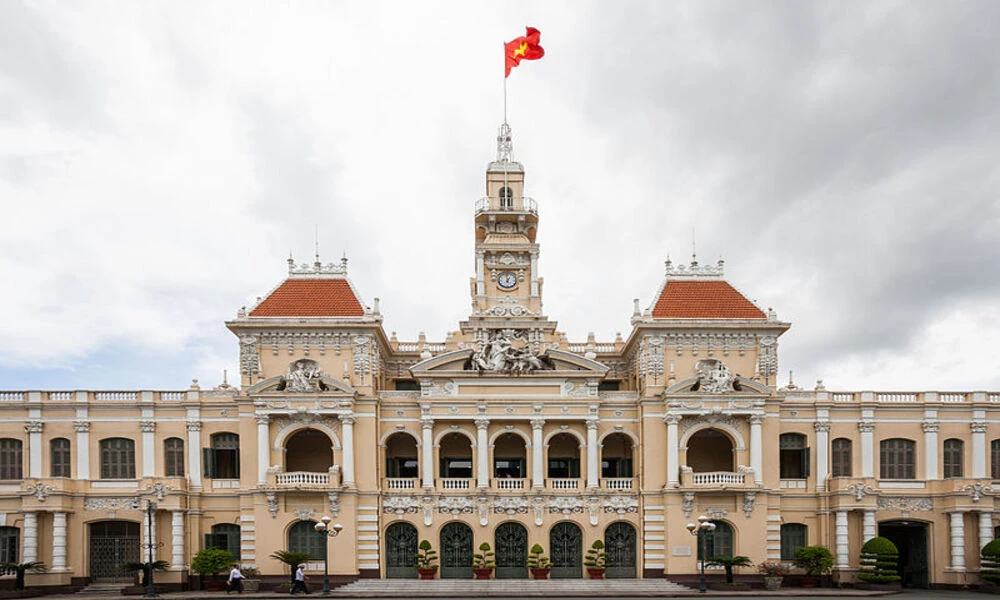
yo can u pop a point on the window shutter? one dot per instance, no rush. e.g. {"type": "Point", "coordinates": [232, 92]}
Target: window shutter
{"type": "Point", "coordinates": [805, 463]}
{"type": "Point", "coordinates": [237, 475]}
{"type": "Point", "coordinates": [208, 462]}
{"type": "Point", "coordinates": [208, 541]}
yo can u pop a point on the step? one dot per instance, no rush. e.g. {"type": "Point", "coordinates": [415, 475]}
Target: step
{"type": "Point", "coordinates": [507, 587]}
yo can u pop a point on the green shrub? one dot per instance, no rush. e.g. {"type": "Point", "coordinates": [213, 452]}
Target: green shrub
{"type": "Point", "coordinates": [729, 563]}
{"type": "Point", "coordinates": [484, 558]}
{"type": "Point", "coordinates": [596, 556]}
{"type": "Point", "coordinates": [879, 561]}
{"type": "Point", "coordinates": [537, 558]}
{"type": "Point", "coordinates": [816, 560]}
{"type": "Point", "coordinates": [990, 561]}
{"type": "Point", "coordinates": [427, 557]}
{"type": "Point", "coordinates": [212, 561]}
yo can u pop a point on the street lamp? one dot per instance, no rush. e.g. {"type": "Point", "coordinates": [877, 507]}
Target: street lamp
{"type": "Point", "coordinates": [150, 545]}
{"type": "Point", "coordinates": [326, 529]}
{"type": "Point", "coordinates": [701, 529]}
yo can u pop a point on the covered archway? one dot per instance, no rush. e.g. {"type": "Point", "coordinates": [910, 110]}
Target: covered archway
{"type": "Point", "coordinates": [455, 454]}
{"type": "Point", "coordinates": [308, 451]}
{"type": "Point", "coordinates": [509, 459]}
{"type": "Point", "coordinates": [401, 456]}
{"type": "Point", "coordinates": [710, 450]}
{"type": "Point", "coordinates": [616, 456]}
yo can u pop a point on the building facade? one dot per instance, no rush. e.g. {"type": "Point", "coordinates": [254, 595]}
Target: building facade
{"type": "Point", "coordinates": [505, 432]}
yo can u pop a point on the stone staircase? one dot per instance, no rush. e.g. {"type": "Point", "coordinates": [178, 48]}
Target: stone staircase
{"type": "Point", "coordinates": [103, 589]}
{"type": "Point", "coordinates": [464, 588]}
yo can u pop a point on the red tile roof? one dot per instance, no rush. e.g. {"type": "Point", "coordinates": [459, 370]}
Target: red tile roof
{"type": "Point", "coordinates": [703, 299]}
{"type": "Point", "coordinates": [311, 298]}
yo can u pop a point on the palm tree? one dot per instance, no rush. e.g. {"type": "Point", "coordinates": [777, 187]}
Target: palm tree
{"type": "Point", "coordinates": [20, 569]}
{"type": "Point", "coordinates": [729, 562]}
{"type": "Point", "coordinates": [292, 559]}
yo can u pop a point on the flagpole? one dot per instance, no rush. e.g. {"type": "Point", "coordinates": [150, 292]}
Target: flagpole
{"type": "Point", "coordinates": [505, 127]}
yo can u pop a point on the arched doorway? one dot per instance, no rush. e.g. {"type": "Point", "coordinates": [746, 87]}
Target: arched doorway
{"type": "Point", "coordinates": [511, 543]}
{"type": "Point", "coordinates": [456, 551]}
{"type": "Point", "coordinates": [308, 451]}
{"type": "Point", "coordinates": [710, 450]}
{"type": "Point", "coordinates": [620, 546]}
{"type": "Point", "coordinates": [112, 545]}
{"type": "Point", "coordinates": [566, 548]}
{"type": "Point", "coordinates": [911, 541]}
{"type": "Point", "coordinates": [400, 551]}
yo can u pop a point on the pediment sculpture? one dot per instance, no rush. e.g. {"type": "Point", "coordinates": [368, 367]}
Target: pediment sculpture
{"type": "Point", "coordinates": [304, 376]}
{"type": "Point", "coordinates": [500, 355]}
{"type": "Point", "coordinates": [714, 377]}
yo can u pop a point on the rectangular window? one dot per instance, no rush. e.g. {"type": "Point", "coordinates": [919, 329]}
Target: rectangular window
{"type": "Point", "coordinates": [793, 537]}
{"type": "Point", "coordinates": [793, 456]}
{"type": "Point", "coordinates": [953, 450]}
{"type": "Point", "coordinates": [59, 452]}
{"type": "Point", "coordinates": [898, 459]}
{"type": "Point", "coordinates": [222, 460]}
{"type": "Point", "coordinates": [841, 458]}
{"type": "Point", "coordinates": [11, 460]}
{"type": "Point", "coordinates": [564, 468]}
{"type": "Point", "coordinates": [117, 458]}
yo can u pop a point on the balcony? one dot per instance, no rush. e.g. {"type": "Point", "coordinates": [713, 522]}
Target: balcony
{"type": "Point", "coordinates": [560, 483]}
{"type": "Point", "coordinates": [506, 205]}
{"type": "Point", "coordinates": [716, 479]}
{"type": "Point", "coordinates": [306, 480]}
{"type": "Point", "coordinates": [618, 483]}
{"type": "Point", "coordinates": [456, 483]}
{"type": "Point", "coordinates": [399, 483]}
{"type": "Point", "coordinates": [510, 483]}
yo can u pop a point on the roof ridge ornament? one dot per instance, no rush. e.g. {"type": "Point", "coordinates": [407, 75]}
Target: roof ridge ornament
{"type": "Point", "coordinates": [695, 270]}
{"type": "Point", "coordinates": [505, 144]}
{"type": "Point", "coordinates": [317, 268]}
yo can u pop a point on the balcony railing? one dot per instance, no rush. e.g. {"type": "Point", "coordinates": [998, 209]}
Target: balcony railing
{"type": "Point", "coordinates": [400, 483]}
{"type": "Point", "coordinates": [717, 478]}
{"type": "Point", "coordinates": [491, 204]}
{"type": "Point", "coordinates": [302, 478]}
{"type": "Point", "coordinates": [560, 483]}
{"type": "Point", "coordinates": [618, 483]}
{"type": "Point", "coordinates": [508, 483]}
{"type": "Point", "coordinates": [455, 483]}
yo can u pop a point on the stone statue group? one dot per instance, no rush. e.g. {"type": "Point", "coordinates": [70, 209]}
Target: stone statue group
{"type": "Point", "coordinates": [499, 354]}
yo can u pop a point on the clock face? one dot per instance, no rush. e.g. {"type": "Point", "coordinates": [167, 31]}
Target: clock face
{"type": "Point", "coordinates": [507, 281]}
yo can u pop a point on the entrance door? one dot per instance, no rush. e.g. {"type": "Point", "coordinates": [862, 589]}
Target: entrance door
{"type": "Point", "coordinates": [911, 541]}
{"type": "Point", "coordinates": [511, 551]}
{"type": "Point", "coordinates": [400, 551]}
{"type": "Point", "coordinates": [456, 551]}
{"type": "Point", "coordinates": [112, 545]}
{"type": "Point", "coordinates": [566, 543]}
{"type": "Point", "coordinates": [619, 543]}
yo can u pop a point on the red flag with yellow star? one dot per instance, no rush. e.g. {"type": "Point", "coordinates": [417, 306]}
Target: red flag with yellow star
{"type": "Point", "coordinates": [523, 48]}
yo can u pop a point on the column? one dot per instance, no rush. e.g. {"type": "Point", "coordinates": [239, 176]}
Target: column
{"type": "Point", "coordinates": [867, 429]}
{"type": "Point", "coordinates": [537, 454]}
{"type": "Point", "coordinates": [842, 541]}
{"type": "Point", "coordinates": [82, 429]}
{"type": "Point", "coordinates": [822, 453]}
{"type": "Point", "coordinates": [30, 536]}
{"type": "Point", "coordinates": [957, 541]}
{"type": "Point", "coordinates": [480, 273]}
{"type": "Point", "coordinates": [427, 452]}
{"type": "Point", "coordinates": [177, 539]}
{"type": "Point", "coordinates": [979, 446]}
{"type": "Point", "coordinates": [34, 429]}
{"type": "Point", "coordinates": [263, 448]}
{"type": "Point", "coordinates": [868, 525]}
{"type": "Point", "coordinates": [673, 450]}
{"type": "Point", "coordinates": [592, 447]}
{"type": "Point", "coordinates": [194, 453]}
{"type": "Point", "coordinates": [534, 272]}
{"type": "Point", "coordinates": [985, 528]}
{"type": "Point", "coordinates": [930, 449]}
{"type": "Point", "coordinates": [58, 541]}
{"type": "Point", "coordinates": [757, 448]}
{"type": "Point", "coordinates": [148, 448]}
{"type": "Point", "coordinates": [482, 453]}
{"type": "Point", "coordinates": [347, 425]}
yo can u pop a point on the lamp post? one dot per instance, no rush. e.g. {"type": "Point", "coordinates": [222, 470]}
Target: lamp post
{"type": "Point", "coordinates": [701, 529]}
{"type": "Point", "coordinates": [150, 545]}
{"type": "Point", "coordinates": [326, 529]}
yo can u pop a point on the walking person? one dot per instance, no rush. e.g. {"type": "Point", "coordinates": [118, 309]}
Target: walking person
{"type": "Point", "coordinates": [300, 581]}
{"type": "Point", "coordinates": [235, 580]}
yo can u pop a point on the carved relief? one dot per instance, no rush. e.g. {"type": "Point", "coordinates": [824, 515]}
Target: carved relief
{"type": "Point", "coordinates": [112, 504]}
{"type": "Point", "coordinates": [158, 489]}
{"type": "Point", "coordinates": [499, 355]}
{"type": "Point", "coordinates": [651, 356]}
{"type": "Point", "coordinates": [622, 504]}
{"type": "Point", "coordinates": [748, 501]}
{"type": "Point", "coordinates": [904, 503]}
{"type": "Point", "coordinates": [304, 514]}
{"type": "Point", "coordinates": [400, 505]}
{"type": "Point", "coordinates": [860, 490]}
{"type": "Point", "coordinates": [272, 504]}
{"type": "Point", "coordinates": [714, 377]}
{"type": "Point", "coordinates": [249, 355]}
{"type": "Point", "coordinates": [565, 506]}
{"type": "Point", "coordinates": [33, 427]}
{"type": "Point", "coordinates": [39, 490]}
{"type": "Point", "coordinates": [511, 506]}
{"type": "Point", "coordinates": [688, 504]}
{"type": "Point", "coordinates": [456, 506]}
{"type": "Point", "coordinates": [362, 355]}
{"type": "Point", "coordinates": [303, 376]}
{"type": "Point", "coordinates": [977, 491]}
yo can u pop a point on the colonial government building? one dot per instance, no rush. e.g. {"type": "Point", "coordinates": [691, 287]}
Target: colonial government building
{"type": "Point", "coordinates": [503, 432]}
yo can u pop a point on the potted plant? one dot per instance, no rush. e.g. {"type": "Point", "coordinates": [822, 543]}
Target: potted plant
{"type": "Point", "coordinates": [209, 562]}
{"type": "Point", "coordinates": [538, 563]}
{"type": "Point", "coordinates": [426, 560]}
{"type": "Point", "coordinates": [293, 560]}
{"type": "Point", "coordinates": [879, 563]}
{"type": "Point", "coordinates": [774, 573]}
{"type": "Point", "coordinates": [251, 579]}
{"type": "Point", "coordinates": [482, 562]}
{"type": "Point", "coordinates": [19, 569]}
{"type": "Point", "coordinates": [595, 560]}
{"type": "Point", "coordinates": [145, 568]}
{"type": "Point", "coordinates": [815, 560]}
{"type": "Point", "coordinates": [729, 563]}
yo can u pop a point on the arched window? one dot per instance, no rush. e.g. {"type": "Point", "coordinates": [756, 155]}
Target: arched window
{"type": "Point", "coordinates": [793, 456]}
{"type": "Point", "coordinates": [222, 460]}
{"type": "Point", "coordinates": [303, 537]}
{"type": "Point", "coordinates": [225, 536]}
{"type": "Point", "coordinates": [898, 459]}
{"type": "Point", "coordinates": [995, 459]}
{"type": "Point", "coordinates": [11, 459]}
{"type": "Point", "coordinates": [719, 542]}
{"type": "Point", "coordinates": [59, 455]}
{"type": "Point", "coordinates": [841, 455]}
{"type": "Point", "coordinates": [793, 537]}
{"type": "Point", "coordinates": [9, 537]}
{"type": "Point", "coordinates": [117, 458]}
{"type": "Point", "coordinates": [953, 450]}
{"type": "Point", "coordinates": [173, 457]}
{"type": "Point", "coordinates": [506, 199]}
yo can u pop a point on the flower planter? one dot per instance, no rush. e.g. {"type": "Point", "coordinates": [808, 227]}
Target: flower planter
{"type": "Point", "coordinates": [772, 584]}
{"type": "Point", "coordinates": [251, 585]}
{"type": "Point", "coordinates": [482, 573]}
{"type": "Point", "coordinates": [427, 573]}
{"type": "Point", "coordinates": [595, 573]}
{"type": "Point", "coordinates": [539, 573]}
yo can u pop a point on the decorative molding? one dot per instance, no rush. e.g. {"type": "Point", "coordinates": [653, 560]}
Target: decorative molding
{"type": "Point", "coordinates": [511, 505]}
{"type": "Point", "coordinates": [977, 491]}
{"type": "Point", "coordinates": [304, 376]}
{"type": "Point", "coordinates": [620, 504]}
{"type": "Point", "coordinates": [930, 426]}
{"type": "Point", "coordinates": [362, 360]}
{"type": "Point", "coordinates": [821, 427]}
{"type": "Point", "coordinates": [401, 505]}
{"type": "Point", "coordinates": [304, 514]}
{"type": "Point", "coordinates": [714, 377]}
{"type": "Point", "coordinates": [565, 506]}
{"type": "Point", "coordinates": [860, 490]}
{"type": "Point", "coordinates": [113, 503]}
{"type": "Point", "coordinates": [333, 501]}
{"type": "Point", "coordinates": [904, 503]}
{"type": "Point", "coordinates": [978, 426]}
{"type": "Point", "coordinates": [866, 426]}
{"type": "Point", "coordinates": [272, 504]}
{"type": "Point", "coordinates": [158, 489]}
{"type": "Point", "coordinates": [249, 356]}
{"type": "Point", "coordinates": [716, 513]}
{"type": "Point", "coordinates": [147, 426]}
{"type": "Point", "coordinates": [688, 504]}
{"type": "Point", "coordinates": [81, 426]}
{"type": "Point", "coordinates": [748, 501]}
{"type": "Point", "coordinates": [497, 354]}
{"type": "Point", "coordinates": [455, 506]}
{"type": "Point", "coordinates": [39, 490]}
{"type": "Point", "coordinates": [33, 427]}
{"type": "Point", "coordinates": [194, 425]}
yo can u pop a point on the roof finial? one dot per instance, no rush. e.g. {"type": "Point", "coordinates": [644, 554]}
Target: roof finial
{"type": "Point", "coordinates": [343, 261]}
{"type": "Point", "coordinates": [317, 244]}
{"type": "Point", "coordinates": [291, 262]}
{"type": "Point", "coordinates": [694, 250]}
{"type": "Point", "coordinates": [505, 146]}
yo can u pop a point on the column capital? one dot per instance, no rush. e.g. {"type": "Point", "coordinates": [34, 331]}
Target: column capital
{"type": "Point", "coordinates": [33, 427]}
{"type": "Point", "coordinates": [537, 424]}
{"type": "Point", "coordinates": [672, 419]}
{"type": "Point", "coordinates": [348, 419]}
{"type": "Point", "coordinates": [756, 419]}
{"type": "Point", "coordinates": [262, 419]}
{"type": "Point", "coordinates": [427, 423]}
{"type": "Point", "coordinates": [592, 424]}
{"type": "Point", "coordinates": [482, 423]}
{"type": "Point", "coordinates": [866, 426]}
{"type": "Point", "coordinates": [147, 426]}
{"type": "Point", "coordinates": [821, 427]}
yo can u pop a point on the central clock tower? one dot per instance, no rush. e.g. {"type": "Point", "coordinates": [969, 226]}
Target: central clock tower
{"type": "Point", "coordinates": [507, 290]}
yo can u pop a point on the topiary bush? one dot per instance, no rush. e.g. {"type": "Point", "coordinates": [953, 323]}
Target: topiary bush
{"type": "Point", "coordinates": [879, 561]}
{"type": "Point", "coordinates": [990, 561]}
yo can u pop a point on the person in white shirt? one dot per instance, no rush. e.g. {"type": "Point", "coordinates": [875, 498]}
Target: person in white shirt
{"type": "Point", "coordinates": [235, 580]}
{"type": "Point", "coordinates": [300, 581]}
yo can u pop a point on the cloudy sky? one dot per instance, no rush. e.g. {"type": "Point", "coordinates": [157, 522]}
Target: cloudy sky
{"type": "Point", "coordinates": [159, 161]}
